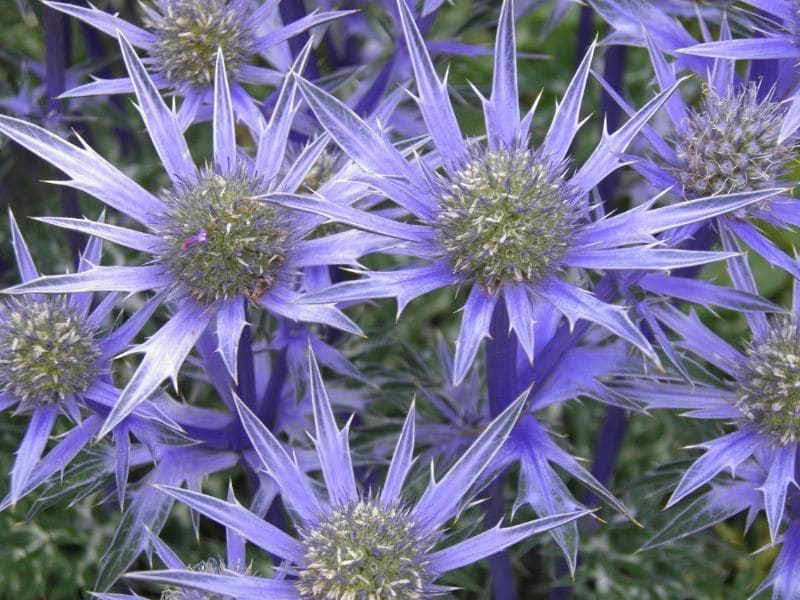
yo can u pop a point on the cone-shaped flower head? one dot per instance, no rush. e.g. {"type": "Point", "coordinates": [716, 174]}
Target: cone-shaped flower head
{"type": "Point", "coordinates": [182, 38]}
{"type": "Point", "coordinates": [48, 349]}
{"type": "Point", "coordinates": [732, 144]}
{"type": "Point", "coordinates": [769, 383]}
{"type": "Point", "coordinates": [221, 240]}
{"type": "Point", "coordinates": [352, 544]}
{"type": "Point", "coordinates": [188, 34]}
{"type": "Point", "coordinates": [505, 216]}
{"type": "Point", "coordinates": [365, 550]}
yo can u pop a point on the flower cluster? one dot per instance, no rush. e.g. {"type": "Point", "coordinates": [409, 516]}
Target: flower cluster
{"type": "Point", "coordinates": [284, 172]}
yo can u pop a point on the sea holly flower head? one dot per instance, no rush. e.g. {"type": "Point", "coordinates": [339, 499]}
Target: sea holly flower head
{"type": "Point", "coordinates": [505, 215]}
{"type": "Point", "coordinates": [733, 143]}
{"type": "Point", "coordinates": [182, 39]}
{"type": "Point", "coordinates": [769, 383]}
{"type": "Point", "coordinates": [758, 393]}
{"type": "Point", "coordinates": [501, 216]}
{"type": "Point", "coordinates": [48, 350]}
{"type": "Point", "coordinates": [188, 34]}
{"type": "Point", "coordinates": [362, 550]}
{"type": "Point", "coordinates": [220, 238]}
{"type": "Point", "coordinates": [353, 544]}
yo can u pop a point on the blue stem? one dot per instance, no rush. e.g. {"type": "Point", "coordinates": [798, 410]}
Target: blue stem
{"type": "Point", "coordinates": [501, 379]}
{"type": "Point", "coordinates": [585, 31]}
{"type": "Point", "coordinates": [268, 407]}
{"type": "Point", "coordinates": [501, 361]}
{"type": "Point", "coordinates": [613, 73]}
{"type": "Point", "coordinates": [246, 388]}
{"type": "Point", "coordinates": [503, 582]}
{"type": "Point", "coordinates": [294, 11]}
{"type": "Point", "coordinates": [58, 50]}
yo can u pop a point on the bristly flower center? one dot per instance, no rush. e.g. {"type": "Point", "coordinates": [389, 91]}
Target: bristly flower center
{"type": "Point", "coordinates": [505, 216]}
{"type": "Point", "coordinates": [220, 239]}
{"type": "Point", "coordinates": [769, 386]}
{"type": "Point", "coordinates": [48, 350]}
{"type": "Point", "coordinates": [731, 145]}
{"type": "Point", "coordinates": [364, 551]}
{"type": "Point", "coordinates": [188, 34]}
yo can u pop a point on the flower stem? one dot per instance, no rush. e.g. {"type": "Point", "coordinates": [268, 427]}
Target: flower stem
{"type": "Point", "coordinates": [501, 376]}
{"type": "Point", "coordinates": [503, 586]}
{"type": "Point", "coordinates": [294, 11]}
{"type": "Point", "coordinates": [267, 409]}
{"type": "Point", "coordinates": [501, 361]}
{"type": "Point", "coordinates": [613, 73]}
{"type": "Point", "coordinates": [585, 31]}
{"type": "Point", "coordinates": [58, 50]}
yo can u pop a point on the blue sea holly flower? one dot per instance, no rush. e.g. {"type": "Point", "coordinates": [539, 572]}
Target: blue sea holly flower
{"type": "Point", "coordinates": [738, 140]}
{"type": "Point", "coordinates": [351, 544]}
{"type": "Point", "coordinates": [759, 394]}
{"type": "Point", "coordinates": [501, 215]}
{"type": "Point", "coordinates": [182, 38]}
{"type": "Point", "coordinates": [778, 25]}
{"type": "Point", "coordinates": [55, 359]}
{"type": "Point", "coordinates": [215, 244]}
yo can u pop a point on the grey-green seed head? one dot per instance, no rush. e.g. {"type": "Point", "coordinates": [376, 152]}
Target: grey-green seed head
{"type": "Point", "coordinates": [188, 34]}
{"type": "Point", "coordinates": [769, 386]}
{"type": "Point", "coordinates": [364, 552]}
{"type": "Point", "coordinates": [220, 239]}
{"type": "Point", "coordinates": [731, 145]}
{"type": "Point", "coordinates": [48, 350]}
{"type": "Point", "coordinates": [505, 216]}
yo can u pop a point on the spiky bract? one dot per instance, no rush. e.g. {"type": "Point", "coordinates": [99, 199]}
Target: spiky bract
{"type": "Point", "coordinates": [769, 387]}
{"type": "Point", "coordinates": [48, 350]}
{"type": "Point", "coordinates": [213, 566]}
{"type": "Point", "coordinates": [363, 551]}
{"type": "Point", "coordinates": [322, 170]}
{"type": "Point", "coordinates": [731, 145]}
{"type": "Point", "coordinates": [221, 240]}
{"type": "Point", "coordinates": [505, 216]}
{"type": "Point", "coordinates": [188, 34]}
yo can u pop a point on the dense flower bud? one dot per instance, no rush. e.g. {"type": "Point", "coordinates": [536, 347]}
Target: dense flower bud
{"type": "Point", "coordinates": [188, 34]}
{"type": "Point", "coordinates": [48, 350]}
{"type": "Point", "coordinates": [220, 239]}
{"type": "Point", "coordinates": [731, 145]}
{"type": "Point", "coordinates": [364, 551]}
{"type": "Point", "coordinates": [769, 386]}
{"type": "Point", "coordinates": [505, 216]}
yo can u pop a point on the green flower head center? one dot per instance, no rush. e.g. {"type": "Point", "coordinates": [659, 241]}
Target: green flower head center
{"type": "Point", "coordinates": [505, 216]}
{"type": "Point", "coordinates": [220, 239]}
{"type": "Point", "coordinates": [731, 145]}
{"type": "Point", "coordinates": [189, 33]}
{"type": "Point", "coordinates": [364, 551]}
{"type": "Point", "coordinates": [48, 350]}
{"type": "Point", "coordinates": [769, 386]}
